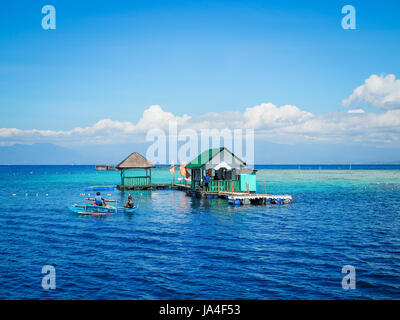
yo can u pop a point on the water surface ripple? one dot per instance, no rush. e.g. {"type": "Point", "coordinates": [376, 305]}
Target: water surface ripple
{"type": "Point", "coordinates": [178, 247]}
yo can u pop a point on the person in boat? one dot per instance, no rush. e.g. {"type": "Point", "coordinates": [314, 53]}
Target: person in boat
{"type": "Point", "coordinates": [99, 201]}
{"type": "Point", "coordinates": [130, 203]}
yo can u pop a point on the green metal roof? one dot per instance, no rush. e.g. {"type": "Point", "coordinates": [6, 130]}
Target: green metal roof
{"type": "Point", "coordinates": [204, 157]}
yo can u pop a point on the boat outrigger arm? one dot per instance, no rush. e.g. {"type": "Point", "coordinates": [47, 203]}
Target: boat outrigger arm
{"type": "Point", "coordinates": [92, 199]}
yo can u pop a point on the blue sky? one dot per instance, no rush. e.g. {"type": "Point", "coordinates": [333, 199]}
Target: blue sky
{"type": "Point", "coordinates": [115, 59]}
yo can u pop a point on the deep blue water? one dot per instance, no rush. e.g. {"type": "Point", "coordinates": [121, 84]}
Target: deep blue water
{"type": "Point", "coordinates": [329, 166]}
{"type": "Point", "coordinates": [178, 247]}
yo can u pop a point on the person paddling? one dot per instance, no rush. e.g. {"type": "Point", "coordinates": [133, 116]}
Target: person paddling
{"type": "Point", "coordinates": [99, 201]}
{"type": "Point", "coordinates": [130, 203]}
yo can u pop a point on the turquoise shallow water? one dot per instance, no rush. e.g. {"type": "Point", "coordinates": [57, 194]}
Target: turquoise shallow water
{"type": "Point", "coordinates": [178, 247]}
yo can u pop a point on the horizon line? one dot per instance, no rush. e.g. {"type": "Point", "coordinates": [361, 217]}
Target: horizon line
{"type": "Point", "coordinates": [263, 164]}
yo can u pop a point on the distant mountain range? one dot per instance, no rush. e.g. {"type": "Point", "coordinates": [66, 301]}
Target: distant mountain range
{"type": "Point", "coordinates": [51, 154]}
{"type": "Point", "coordinates": [39, 153]}
{"type": "Point", "coordinates": [265, 153]}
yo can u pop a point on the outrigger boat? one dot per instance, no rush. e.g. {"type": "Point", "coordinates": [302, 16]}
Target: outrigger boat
{"type": "Point", "coordinates": [89, 208]}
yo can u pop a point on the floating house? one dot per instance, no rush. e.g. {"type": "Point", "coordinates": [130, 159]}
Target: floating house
{"type": "Point", "coordinates": [226, 172]}
{"type": "Point", "coordinates": [230, 178]}
{"type": "Point", "coordinates": [104, 167]}
{"type": "Point", "coordinates": [135, 161]}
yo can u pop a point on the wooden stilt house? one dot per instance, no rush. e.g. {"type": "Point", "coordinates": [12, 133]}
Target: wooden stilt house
{"type": "Point", "coordinates": [225, 170]}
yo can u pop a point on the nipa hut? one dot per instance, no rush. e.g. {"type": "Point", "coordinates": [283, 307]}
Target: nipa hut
{"type": "Point", "coordinates": [132, 162]}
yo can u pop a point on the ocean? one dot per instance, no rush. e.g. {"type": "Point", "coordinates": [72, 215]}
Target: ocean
{"type": "Point", "coordinates": [179, 247]}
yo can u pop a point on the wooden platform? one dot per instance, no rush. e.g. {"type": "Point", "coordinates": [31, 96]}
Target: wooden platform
{"type": "Point", "coordinates": [240, 198]}
{"type": "Point", "coordinates": [156, 186]}
{"type": "Point", "coordinates": [259, 198]}
{"type": "Point", "coordinates": [242, 195]}
{"type": "Point", "coordinates": [235, 198]}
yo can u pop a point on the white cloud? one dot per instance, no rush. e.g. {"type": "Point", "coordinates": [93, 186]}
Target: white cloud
{"type": "Point", "coordinates": [155, 117]}
{"type": "Point", "coordinates": [270, 116]}
{"type": "Point", "coordinates": [377, 91]}
{"type": "Point", "coordinates": [365, 128]}
{"type": "Point", "coordinates": [356, 111]}
{"type": "Point", "coordinates": [286, 124]}
{"type": "Point", "coordinates": [103, 131]}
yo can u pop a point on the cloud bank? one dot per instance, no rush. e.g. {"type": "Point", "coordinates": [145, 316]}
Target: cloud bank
{"type": "Point", "coordinates": [377, 91]}
{"type": "Point", "coordinates": [287, 124]}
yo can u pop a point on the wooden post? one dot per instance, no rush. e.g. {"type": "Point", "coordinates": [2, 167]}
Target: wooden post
{"type": "Point", "coordinates": [247, 187]}
{"type": "Point", "coordinates": [149, 176]}
{"type": "Point", "coordinates": [265, 189]}
{"type": "Point", "coordinates": [218, 186]}
{"type": "Point", "coordinates": [232, 187]}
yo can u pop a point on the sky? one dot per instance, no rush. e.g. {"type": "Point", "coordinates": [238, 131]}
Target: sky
{"type": "Point", "coordinates": [113, 70]}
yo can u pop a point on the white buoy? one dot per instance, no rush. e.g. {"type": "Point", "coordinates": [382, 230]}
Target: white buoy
{"type": "Point", "coordinates": [14, 195]}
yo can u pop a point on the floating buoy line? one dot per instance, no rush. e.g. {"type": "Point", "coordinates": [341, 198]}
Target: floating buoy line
{"type": "Point", "coordinates": [35, 194]}
{"type": "Point", "coordinates": [29, 194]}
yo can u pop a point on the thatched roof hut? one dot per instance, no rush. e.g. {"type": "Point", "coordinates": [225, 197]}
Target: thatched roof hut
{"type": "Point", "coordinates": [135, 161]}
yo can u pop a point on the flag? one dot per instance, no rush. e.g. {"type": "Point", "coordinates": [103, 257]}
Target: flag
{"type": "Point", "coordinates": [184, 171]}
